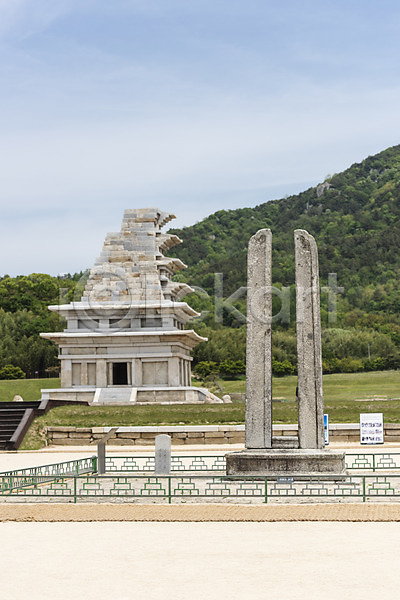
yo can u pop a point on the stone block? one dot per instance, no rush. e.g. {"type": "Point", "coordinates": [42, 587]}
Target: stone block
{"type": "Point", "coordinates": [144, 429]}
{"type": "Point", "coordinates": [195, 434]}
{"type": "Point", "coordinates": [79, 435]}
{"type": "Point", "coordinates": [71, 442]}
{"type": "Point", "coordinates": [236, 437]}
{"type": "Point", "coordinates": [341, 433]}
{"type": "Point", "coordinates": [178, 441]}
{"type": "Point", "coordinates": [227, 428]}
{"type": "Point", "coordinates": [58, 428]}
{"type": "Point", "coordinates": [120, 442]}
{"type": "Point", "coordinates": [199, 428]}
{"type": "Point", "coordinates": [98, 436]}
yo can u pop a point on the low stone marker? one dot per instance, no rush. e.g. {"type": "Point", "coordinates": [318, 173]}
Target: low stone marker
{"type": "Point", "coordinates": [163, 455]}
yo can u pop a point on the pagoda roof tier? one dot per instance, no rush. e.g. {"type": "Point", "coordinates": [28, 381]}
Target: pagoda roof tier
{"type": "Point", "coordinates": [187, 336]}
{"type": "Point", "coordinates": [149, 215]}
{"type": "Point", "coordinates": [132, 264]}
{"type": "Point", "coordinates": [167, 241]}
{"type": "Point", "coordinates": [172, 264]}
{"type": "Point", "coordinates": [128, 308]}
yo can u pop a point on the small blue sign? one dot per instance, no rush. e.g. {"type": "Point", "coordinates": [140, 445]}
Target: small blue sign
{"type": "Point", "coordinates": [326, 429]}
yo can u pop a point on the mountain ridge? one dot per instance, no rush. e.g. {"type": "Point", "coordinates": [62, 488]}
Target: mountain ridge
{"type": "Point", "coordinates": [353, 215]}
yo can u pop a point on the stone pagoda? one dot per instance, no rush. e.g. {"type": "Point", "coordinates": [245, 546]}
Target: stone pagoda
{"type": "Point", "coordinates": [125, 340]}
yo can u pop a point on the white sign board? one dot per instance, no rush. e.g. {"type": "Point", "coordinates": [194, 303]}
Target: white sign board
{"type": "Point", "coordinates": [371, 428]}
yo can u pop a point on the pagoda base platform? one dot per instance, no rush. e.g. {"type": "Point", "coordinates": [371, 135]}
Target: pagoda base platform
{"type": "Point", "coordinates": [285, 463]}
{"type": "Point", "coordinates": [129, 396]}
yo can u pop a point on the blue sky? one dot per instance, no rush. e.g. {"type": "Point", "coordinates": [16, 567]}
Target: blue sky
{"type": "Point", "coordinates": [189, 105]}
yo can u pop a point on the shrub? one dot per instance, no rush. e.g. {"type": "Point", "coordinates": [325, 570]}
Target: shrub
{"type": "Point", "coordinates": [281, 368]}
{"type": "Point", "coordinates": [232, 368]}
{"type": "Point", "coordinates": [206, 368]}
{"type": "Point", "coordinates": [11, 372]}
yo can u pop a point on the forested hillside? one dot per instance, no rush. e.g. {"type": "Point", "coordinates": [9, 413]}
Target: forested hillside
{"type": "Point", "coordinates": [23, 315]}
{"type": "Point", "coordinates": [355, 219]}
{"type": "Point", "coordinates": [353, 215]}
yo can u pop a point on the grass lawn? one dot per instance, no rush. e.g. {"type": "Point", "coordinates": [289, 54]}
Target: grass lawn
{"type": "Point", "coordinates": [29, 389]}
{"type": "Point", "coordinates": [346, 396]}
{"type": "Point", "coordinates": [339, 386]}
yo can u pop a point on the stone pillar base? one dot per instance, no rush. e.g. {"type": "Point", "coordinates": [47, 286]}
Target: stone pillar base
{"type": "Point", "coordinates": [285, 463]}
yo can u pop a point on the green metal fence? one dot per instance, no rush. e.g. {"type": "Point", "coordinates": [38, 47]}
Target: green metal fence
{"type": "Point", "coordinates": [360, 461]}
{"type": "Point", "coordinates": [204, 488]}
{"type": "Point", "coordinates": [195, 477]}
{"type": "Point", "coordinates": [21, 478]}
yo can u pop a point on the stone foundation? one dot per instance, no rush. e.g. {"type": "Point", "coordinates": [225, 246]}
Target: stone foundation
{"type": "Point", "coordinates": [282, 462]}
{"type": "Point", "coordinates": [198, 434]}
{"type": "Point", "coordinates": [133, 396]}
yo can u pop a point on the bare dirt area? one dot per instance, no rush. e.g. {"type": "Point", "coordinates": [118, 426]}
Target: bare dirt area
{"type": "Point", "coordinates": [200, 512]}
{"type": "Point", "coordinates": [300, 561]}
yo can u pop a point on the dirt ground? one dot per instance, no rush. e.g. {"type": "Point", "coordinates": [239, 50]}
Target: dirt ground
{"type": "Point", "coordinates": [374, 512]}
{"type": "Point", "coordinates": [158, 561]}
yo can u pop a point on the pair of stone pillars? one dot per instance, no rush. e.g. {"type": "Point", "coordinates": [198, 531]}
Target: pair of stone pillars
{"type": "Point", "coordinates": [306, 452]}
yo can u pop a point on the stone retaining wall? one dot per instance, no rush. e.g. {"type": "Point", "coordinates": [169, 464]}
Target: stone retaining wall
{"type": "Point", "coordinates": [201, 434]}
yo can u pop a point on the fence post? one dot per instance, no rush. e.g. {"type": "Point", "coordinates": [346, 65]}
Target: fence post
{"type": "Point", "coordinates": [101, 451]}
{"type": "Point", "coordinates": [265, 491]}
{"type": "Point", "coordinates": [101, 458]}
{"type": "Point", "coordinates": [363, 476]}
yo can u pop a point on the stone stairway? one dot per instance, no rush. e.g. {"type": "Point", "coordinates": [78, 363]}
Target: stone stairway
{"type": "Point", "coordinates": [17, 417]}
{"type": "Point", "coordinates": [12, 415]}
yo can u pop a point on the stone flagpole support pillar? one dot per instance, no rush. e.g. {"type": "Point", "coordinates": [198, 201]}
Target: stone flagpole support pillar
{"type": "Point", "coordinates": [280, 456]}
{"type": "Point", "coordinates": [308, 330]}
{"type": "Point", "coordinates": [259, 343]}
